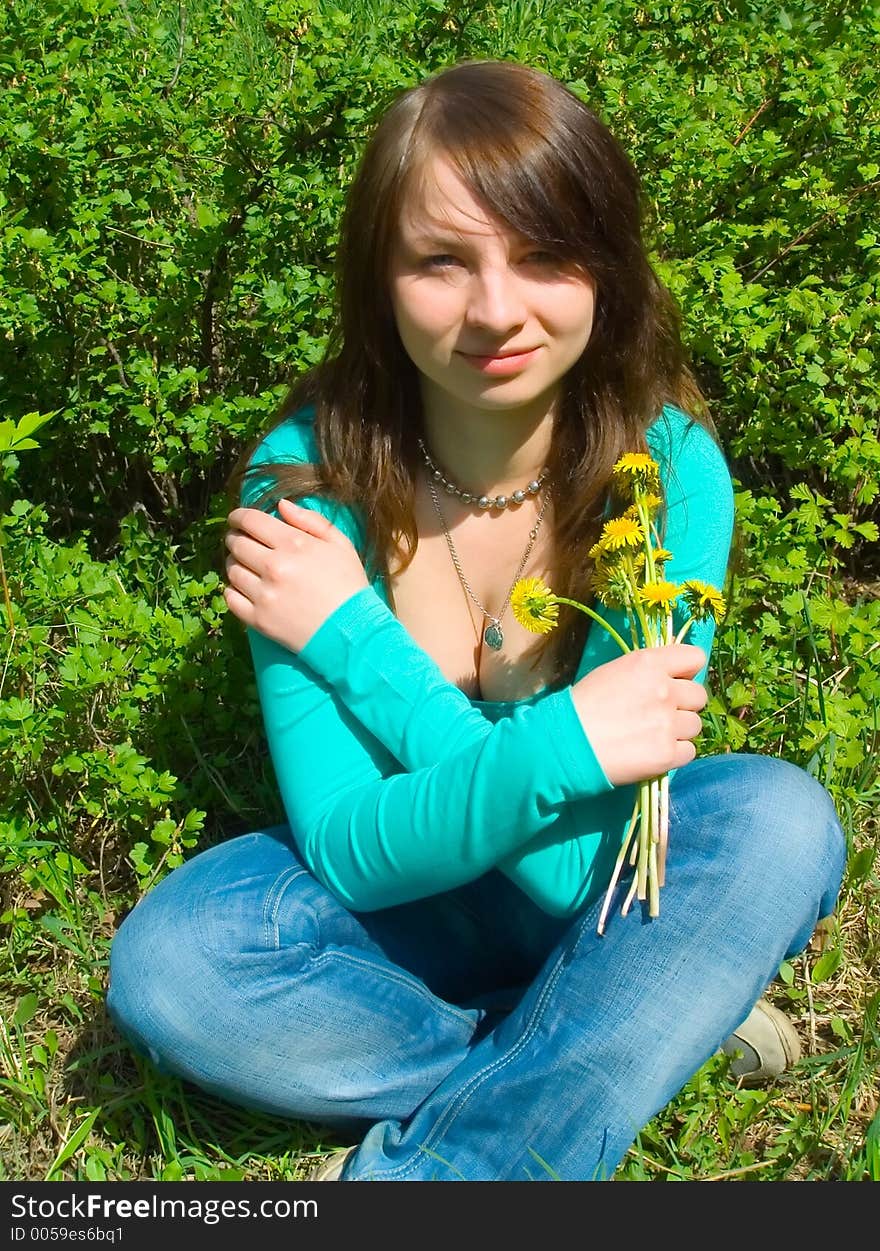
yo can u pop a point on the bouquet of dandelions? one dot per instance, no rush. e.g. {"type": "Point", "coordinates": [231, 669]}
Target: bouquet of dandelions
{"type": "Point", "coordinates": [629, 562]}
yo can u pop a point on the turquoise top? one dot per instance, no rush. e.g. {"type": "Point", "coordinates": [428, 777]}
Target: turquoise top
{"type": "Point", "coordinates": [397, 785]}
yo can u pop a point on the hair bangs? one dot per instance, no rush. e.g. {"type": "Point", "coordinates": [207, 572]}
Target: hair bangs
{"type": "Point", "coordinates": [519, 152]}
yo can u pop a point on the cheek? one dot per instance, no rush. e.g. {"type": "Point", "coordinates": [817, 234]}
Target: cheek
{"type": "Point", "coordinates": [574, 317]}
{"type": "Point", "coordinates": [423, 314]}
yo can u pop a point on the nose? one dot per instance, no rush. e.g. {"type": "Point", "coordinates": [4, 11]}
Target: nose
{"type": "Point", "coordinates": [496, 300]}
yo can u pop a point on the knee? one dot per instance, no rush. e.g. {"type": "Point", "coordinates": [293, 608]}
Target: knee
{"type": "Point", "coordinates": [786, 826]}
{"type": "Point", "coordinates": [202, 940]}
{"type": "Point", "coordinates": [158, 962]}
{"type": "Point", "coordinates": [148, 968]}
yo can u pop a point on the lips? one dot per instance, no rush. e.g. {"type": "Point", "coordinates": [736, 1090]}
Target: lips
{"type": "Point", "coordinates": [502, 363]}
{"type": "Point", "coordinates": [500, 356]}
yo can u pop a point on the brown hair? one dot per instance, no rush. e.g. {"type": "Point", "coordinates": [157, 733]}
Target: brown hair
{"type": "Point", "coordinates": [541, 161]}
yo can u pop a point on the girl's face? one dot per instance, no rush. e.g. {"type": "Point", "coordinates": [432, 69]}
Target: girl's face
{"type": "Point", "coordinates": [491, 321]}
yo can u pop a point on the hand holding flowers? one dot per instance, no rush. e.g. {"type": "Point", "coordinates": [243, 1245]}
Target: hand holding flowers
{"type": "Point", "coordinates": [629, 565]}
{"type": "Point", "coordinates": [640, 711]}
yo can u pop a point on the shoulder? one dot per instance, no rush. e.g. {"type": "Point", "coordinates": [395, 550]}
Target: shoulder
{"type": "Point", "coordinates": [699, 496]}
{"type": "Point", "coordinates": [291, 441]}
{"type": "Point", "coordinates": [688, 454]}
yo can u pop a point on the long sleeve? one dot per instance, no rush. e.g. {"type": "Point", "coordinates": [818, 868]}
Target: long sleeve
{"type": "Point", "coordinates": [381, 690]}
{"type": "Point", "coordinates": [376, 835]}
{"type": "Point", "coordinates": [421, 717]}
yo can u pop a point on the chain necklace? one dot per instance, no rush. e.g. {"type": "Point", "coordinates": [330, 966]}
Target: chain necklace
{"type": "Point", "coordinates": [483, 501]}
{"type": "Point", "coordinates": [492, 633]}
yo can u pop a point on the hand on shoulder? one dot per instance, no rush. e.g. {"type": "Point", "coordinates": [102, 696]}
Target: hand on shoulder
{"type": "Point", "coordinates": [287, 576]}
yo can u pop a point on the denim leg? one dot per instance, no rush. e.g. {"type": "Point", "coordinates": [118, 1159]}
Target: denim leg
{"type": "Point", "coordinates": [241, 973]}
{"type": "Point", "coordinates": [612, 1027]}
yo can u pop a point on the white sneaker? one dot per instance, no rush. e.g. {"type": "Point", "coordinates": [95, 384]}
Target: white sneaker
{"type": "Point", "coordinates": [767, 1042]}
{"type": "Point", "coordinates": [331, 1168]}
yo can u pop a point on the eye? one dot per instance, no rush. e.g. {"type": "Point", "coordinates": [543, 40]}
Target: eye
{"type": "Point", "coordinates": [442, 260]}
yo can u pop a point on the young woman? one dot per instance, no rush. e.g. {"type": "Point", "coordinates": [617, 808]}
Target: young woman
{"type": "Point", "coordinates": [413, 957]}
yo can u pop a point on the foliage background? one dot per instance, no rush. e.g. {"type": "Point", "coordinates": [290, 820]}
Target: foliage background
{"type": "Point", "coordinates": [172, 175]}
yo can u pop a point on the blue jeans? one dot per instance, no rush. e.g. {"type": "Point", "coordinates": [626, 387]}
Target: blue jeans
{"type": "Point", "coordinates": [470, 1035]}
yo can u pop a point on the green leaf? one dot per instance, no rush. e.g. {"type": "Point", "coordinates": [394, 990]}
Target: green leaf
{"type": "Point", "coordinates": [17, 709]}
{"type": "Point", "coordinates": [872, 1148]}
{"type": "Point", "coordinates": [826, 966]}
{"type": "Point", "coordinates": [31, 422]}
{"type": "Point", "coordinates": [860, 865]}
{"type": "Point", "coordinates": [25, 1009]}
{"type": "Point", "coordinates": [73, 1143]}
{"type": "Point", "coordinates": [206, 217]}
{"type": "Point", "coordinates": [840, 1029]}
{"type": "Point", "coordinates": [38, 238]}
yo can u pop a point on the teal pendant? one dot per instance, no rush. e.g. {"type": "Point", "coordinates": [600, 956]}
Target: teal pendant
{"type": "Point", "coordinates": [493, 636]}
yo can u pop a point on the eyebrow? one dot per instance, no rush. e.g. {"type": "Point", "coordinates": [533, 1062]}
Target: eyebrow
{"type": "Point", "coordinates": [438, 240]}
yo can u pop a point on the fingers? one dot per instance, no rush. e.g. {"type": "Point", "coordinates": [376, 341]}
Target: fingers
{"type": "Point", "coordinates": [676, 660]}
{"type": "Point", "coordinates": [687, 725]}
{"type": "Point", "coordinates": [248, 551]}
{"type": "Point", "coordinates": [242, 579]}
{"type": "Point", "coordinates": [686, 753]}
{"type": "Point", "coordinates": [239, 605]}
{"type": "Point", "coordinates": [689, 695]}
{"type": "Point", "coordinates": [257, 525]}
{"type": "Point", "coordinates": [307, 519]}
{"type": "Point", "coordinates": [273, 531]}
{"type": "Point", "coordinates": [680, 660]}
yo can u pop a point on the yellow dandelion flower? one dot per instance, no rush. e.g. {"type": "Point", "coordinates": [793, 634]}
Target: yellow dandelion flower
{"type": "Point", "coordinates": [621, 532]}
{"type": "Point", "coordinates": [658, 596]}
{"type": "Point", "coordinates": [608, 589]}
{"type": "Point", "coordinates": [661, 555]}
{"type": "Point", "coordinates": [651, 502]}
{"type": "Point", "coordinates": [605, 557]}
{"type": "Point", "coordinates": [704, 600]}
{"type": "Point", "coordinates": [534, 605]}
{"type": "Point", "coordinates": [637, 469]}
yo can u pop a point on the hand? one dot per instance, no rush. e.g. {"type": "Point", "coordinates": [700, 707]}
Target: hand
{"type": "Point", "coordinates": [640, 711]}
{"type": "Point", "coordinates": [287, 576]}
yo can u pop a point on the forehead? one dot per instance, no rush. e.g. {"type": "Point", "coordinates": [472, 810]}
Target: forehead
{"type": "Point", "coordinates": [439, 204]}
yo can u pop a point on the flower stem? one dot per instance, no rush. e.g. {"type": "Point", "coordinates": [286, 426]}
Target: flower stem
{"type": "Point", "coordinates": [664, 829]}
{"type": "Point", "coordinates": [646, 526]}
{"type": "Point", "coordinates": [618, 865]}
{"type": "Point", "coordinates": [560, 599]}
{"type": "Point", "coordinates": [647, 632]}
{"type": "Point", "coordinates": [644, 840]}
{"type": "Point", "coordinates": [684, 629]}
{"type": "Point", "coordinates": [7, 603]}
{"type": "Point", "coordinates": [653, 885]}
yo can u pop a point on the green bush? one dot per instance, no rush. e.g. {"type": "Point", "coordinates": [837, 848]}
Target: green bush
{"type": "Point", "coordinates": [171, 178]}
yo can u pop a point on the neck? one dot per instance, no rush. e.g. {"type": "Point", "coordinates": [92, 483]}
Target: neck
{"type": "Point", "coordinates": [489, 453]}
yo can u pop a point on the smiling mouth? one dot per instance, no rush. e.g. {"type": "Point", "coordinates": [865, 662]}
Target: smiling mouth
{"type": "Point", "coordinates": [500, 356]}
{"type": "Point", "coordinates": [502, 364]}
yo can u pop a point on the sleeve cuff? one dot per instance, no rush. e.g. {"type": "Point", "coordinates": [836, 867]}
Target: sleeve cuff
{"type": "Point", "coordinates": [585, 774]}
{"type": "Point", "coordinates": [326, 650]}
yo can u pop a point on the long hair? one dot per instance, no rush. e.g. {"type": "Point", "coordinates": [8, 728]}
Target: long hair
{"type": "Point", "coordinates": [542, 162]}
